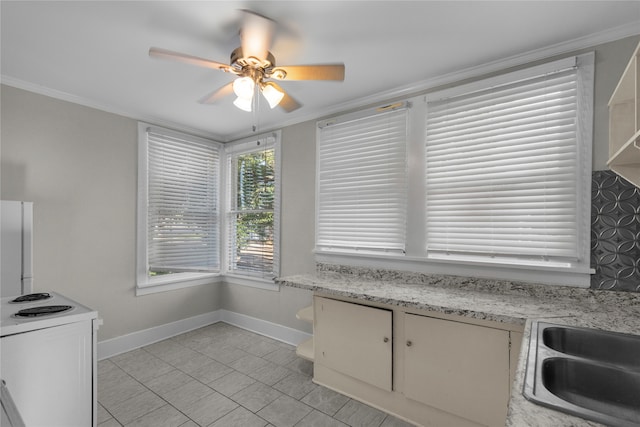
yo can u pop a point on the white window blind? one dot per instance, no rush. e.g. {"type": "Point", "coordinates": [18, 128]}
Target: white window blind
{"type": "Point", "coordinates": [362, 183]}
{"type": "Point", "coordinates": [182, 205]}
{"type": "Point", "coordinates": [253, 208]}
{"type": "Point", "coordinates": [501, 170]}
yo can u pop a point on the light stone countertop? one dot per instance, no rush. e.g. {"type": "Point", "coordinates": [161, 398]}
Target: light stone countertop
{"type": "Point", "coordinates": [500, 301]}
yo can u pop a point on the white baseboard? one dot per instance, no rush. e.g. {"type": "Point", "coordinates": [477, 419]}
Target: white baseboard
{"type": "Point", "coordinates": [124, 343]}
{"type": "Point", "coordinates": [264, 327]}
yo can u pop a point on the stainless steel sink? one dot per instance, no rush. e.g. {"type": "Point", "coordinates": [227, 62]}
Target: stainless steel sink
{"type": "Point", "coordinates": [585, 372]}
{"type": "Point", "coordinates": [593, 344]}
{"type": "Point", "coordinates": [600, 388]}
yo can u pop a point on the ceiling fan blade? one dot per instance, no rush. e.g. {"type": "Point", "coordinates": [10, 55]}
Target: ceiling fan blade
{"type": "Point", "coordinates": [256, 35]}
{"type": "Point", "coordinates": [287, 103]}
{"type": "Point", "coordinates": [310, 72]}
{"type": "Point", "coordinates": [156, 52]}
{"type": "Point", "coordinates": [217, 94]}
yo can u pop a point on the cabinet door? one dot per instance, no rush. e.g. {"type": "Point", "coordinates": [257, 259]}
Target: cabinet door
{"type": "Point", "coordinates": [49, 374]}
{"type": "Point", "coordinates": [354, 340]}
{"type": "Point", "coordinates": [460, 368]}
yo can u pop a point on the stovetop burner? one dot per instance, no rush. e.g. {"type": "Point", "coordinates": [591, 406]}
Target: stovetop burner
{"type": "Point", "coordinates": [44, 310]}
{"type": "Point", "coordinates": [32, 297]}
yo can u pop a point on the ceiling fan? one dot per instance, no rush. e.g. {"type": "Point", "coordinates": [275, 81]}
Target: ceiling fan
{"type": "Point", "coordinates": [255, 66]}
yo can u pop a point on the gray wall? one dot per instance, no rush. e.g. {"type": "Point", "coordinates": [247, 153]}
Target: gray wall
{"type": "Point", "coordinates": [297, 236]}
{"type": "Point", "coordinates": [78, 166]}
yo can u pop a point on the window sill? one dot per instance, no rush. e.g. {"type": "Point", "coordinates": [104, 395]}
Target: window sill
{"type": "Point", "coordinates": [175, 281]}
{"type": "Point", "coordinates": [551, 274]}
{"type": "Point", "coordinates": [187, 280]}
{"type": "Point", "coordinates": [253, 282]}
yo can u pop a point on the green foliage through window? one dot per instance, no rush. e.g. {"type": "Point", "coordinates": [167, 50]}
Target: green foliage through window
{"type": "Point", "coordinates": [252, 218]}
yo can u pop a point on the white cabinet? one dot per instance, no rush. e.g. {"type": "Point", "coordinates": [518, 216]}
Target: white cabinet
{"type": "Point", "coordinates": [354, 340]}
{"type": "Point", "coordinates": [425, 367]}
{"type": "Point", "coordinates": [624, 123]}
{"type": "Point", "coordinates": [460, 368]}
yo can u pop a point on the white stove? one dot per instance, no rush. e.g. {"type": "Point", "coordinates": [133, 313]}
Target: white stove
{"type": "Point", "coordinates": [48, 346]}
{"type": "Point", "coordinates": [11, 308]}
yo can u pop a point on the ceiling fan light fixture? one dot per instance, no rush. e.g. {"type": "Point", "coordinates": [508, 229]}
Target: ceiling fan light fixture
{"type": "Point", "coordinates": [243, 103]}
{"type": "Point", "coordinates": [243, 87]}
{"type": "Point", "coordinates": [272, 94]}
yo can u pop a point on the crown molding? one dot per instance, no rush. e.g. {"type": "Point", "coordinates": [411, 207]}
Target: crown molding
{"type": "Point", "coordinates": [412, 89]}
{"type": "Point", "coordinates": [64, 96]}
{"type": "Point", "coordinates": [418, 88]}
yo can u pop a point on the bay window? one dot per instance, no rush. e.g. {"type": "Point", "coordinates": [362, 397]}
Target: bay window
{"type": "Point", "coordinates": [182, 237]}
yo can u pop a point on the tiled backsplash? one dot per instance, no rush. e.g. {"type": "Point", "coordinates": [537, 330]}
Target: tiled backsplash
{"type": "Point", "coordinates": [615, 233]}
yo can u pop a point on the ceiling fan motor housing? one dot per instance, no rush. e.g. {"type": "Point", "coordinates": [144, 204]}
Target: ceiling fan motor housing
{"type": "Point", "coordinates": [239, 61]}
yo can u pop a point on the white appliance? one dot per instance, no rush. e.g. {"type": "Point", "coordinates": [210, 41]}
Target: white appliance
{"type": "Point", "coordinates": [48, 361]}
{"type": "Point", "coordinates": [16, 219]}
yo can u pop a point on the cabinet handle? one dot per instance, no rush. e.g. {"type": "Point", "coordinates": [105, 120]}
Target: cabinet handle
{"type": "Point", "coordinates": [409, 343]}
{"type": "Point", "coordinates": [385, 339]}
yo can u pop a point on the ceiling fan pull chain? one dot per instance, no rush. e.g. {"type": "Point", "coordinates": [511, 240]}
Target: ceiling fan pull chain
{"type": "Point", "coordinates": [254, 110]}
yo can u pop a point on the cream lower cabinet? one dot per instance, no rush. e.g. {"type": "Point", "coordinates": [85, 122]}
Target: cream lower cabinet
{"type": "Point", "coordinates": [460, 368]}
{"type": "Point", "coordinates": [428, 368]}
{"type": "Point", "coordinates": [354, 340]}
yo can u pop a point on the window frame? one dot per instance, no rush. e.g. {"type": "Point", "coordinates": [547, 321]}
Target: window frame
{"type": "Point", "coordinates": [231, 149]}
{"type": "Point", "coordinates": [582, 144]}
{"type": "Point", "coordinates": [144, 283]}
{"type": "Point", "coordinates": [418, 260]}
{"type": "Point", "coordinates": [372, 117]}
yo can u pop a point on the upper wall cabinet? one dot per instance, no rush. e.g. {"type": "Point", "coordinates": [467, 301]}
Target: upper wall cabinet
{"type": "Point", "coordinates": [624, 123]}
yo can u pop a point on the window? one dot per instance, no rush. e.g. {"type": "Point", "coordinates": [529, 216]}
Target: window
{"type": "Point", "coordinates": [253, 207]}
{"type": "Point", "coordinates": [486, 179]}
{"type": "Point", "coordinates": [503, 168]}
{"type": "Point", "coordinates": [178, 221]}
{"type": "Point", "coordinates": [361, 189]}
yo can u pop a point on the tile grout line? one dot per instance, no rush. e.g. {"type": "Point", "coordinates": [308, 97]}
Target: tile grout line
{"type": "Point", "coordinates": [148, 389]}
{"type": "Point", "coordinates": [191, 376]}
{"type": "Point", "coordinates": [229, 334]}
{"type": "Point", "coordinates": [195, 379]}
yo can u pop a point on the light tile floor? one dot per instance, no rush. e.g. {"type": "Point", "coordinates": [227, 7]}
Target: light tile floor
{"type": "Point", "coordinates": [222, 376]}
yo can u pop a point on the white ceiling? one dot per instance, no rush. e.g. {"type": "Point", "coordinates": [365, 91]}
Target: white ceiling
{"type": "Point", "coordinates": [96, 53]}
